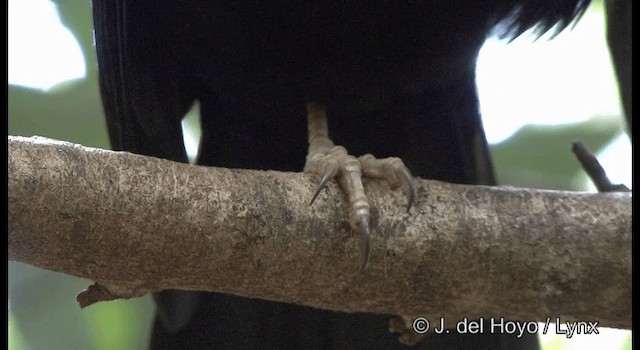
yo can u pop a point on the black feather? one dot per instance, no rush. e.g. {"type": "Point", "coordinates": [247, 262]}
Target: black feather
{"type": "Point", "coordinates": [397, 77]}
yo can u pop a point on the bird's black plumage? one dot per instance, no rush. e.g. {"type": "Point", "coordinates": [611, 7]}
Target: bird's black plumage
{"type": "Point", "coordinates": [397, 78]}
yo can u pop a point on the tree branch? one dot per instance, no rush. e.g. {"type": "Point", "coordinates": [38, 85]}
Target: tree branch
{"type": "Point", "coordinates": [137, 225]}
{"type": "Point", "coordinates": [596, 172]}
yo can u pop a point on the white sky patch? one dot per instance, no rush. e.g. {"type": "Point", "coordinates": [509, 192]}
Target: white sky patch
{"type": "Point", "coordinates": [42, 52]}
{"type": "Point", "coordinates": [608, 338]}
{"type": "Point", "coordinates": [191, 133]}
{"type": "Point", "coordinates": [565, 80]}
{"type": "Point", "coordinates": [616, 160]}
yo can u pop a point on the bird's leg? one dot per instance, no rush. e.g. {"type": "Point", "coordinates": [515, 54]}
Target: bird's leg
{"type": "Point", "coordinates": [328, 160]}
{"type": "Point", "coordinates": [331, 161]}
{"type": "Point", "coordinates": [405, 326]}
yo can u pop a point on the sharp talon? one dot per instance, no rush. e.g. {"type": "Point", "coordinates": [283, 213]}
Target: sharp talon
{"type": "Point", "coordinates": [408, 184]}
{"type": "Point", "coordinates": [365, 242]}
{"type": "Point", "coordinates": [329, 172]}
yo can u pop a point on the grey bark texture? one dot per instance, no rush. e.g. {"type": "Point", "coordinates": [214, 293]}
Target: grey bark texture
{"type": "Point", "coordinates": [137, 225]}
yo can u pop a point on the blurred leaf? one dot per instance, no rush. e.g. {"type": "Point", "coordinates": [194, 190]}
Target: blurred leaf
{"type": "Point", "coordinates": [15, 341]}
{"type": "Point", "coordinates": [43, 312]}
{"type": "Point", "coordinates": [120, 324]}
{"type": "Point", "coordinates": [74, 114]}
{"type": "Point", "coordinates": [541, 157]}
{"type": "Point", "coordinates": [44, 309]}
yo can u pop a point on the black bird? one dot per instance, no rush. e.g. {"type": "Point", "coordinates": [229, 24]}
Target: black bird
{"type": "Point", "coordinates": [395, 78]}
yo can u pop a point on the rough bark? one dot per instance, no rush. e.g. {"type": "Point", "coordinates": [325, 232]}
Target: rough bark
{"type": "Point", "coordinates": [137, 225]}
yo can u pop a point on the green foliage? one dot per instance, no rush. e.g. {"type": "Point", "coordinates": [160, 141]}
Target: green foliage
{"type": "Point", "coordinates": [540, 156]}
{"type": "Point", "coordinates": [120, 324]}
{"type": "Point", "coordinates": [43, 313]}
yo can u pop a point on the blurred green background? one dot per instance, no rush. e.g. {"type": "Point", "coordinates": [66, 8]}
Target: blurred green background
{"type": "Point", "coordinates": [42, 310]}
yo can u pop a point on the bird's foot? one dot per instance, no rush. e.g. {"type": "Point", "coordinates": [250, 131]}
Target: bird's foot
{"type": "Point", "coordinates": [406, 326]}
{"type": "Point", "coordinates": [331, 161]}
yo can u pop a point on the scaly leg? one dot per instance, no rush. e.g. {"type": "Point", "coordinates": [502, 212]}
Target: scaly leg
{"type": "Point", "coordinates": [331, 161]}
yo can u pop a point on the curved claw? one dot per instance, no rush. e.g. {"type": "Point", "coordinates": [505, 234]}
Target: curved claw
{"type": "Point", "coordinates": [407, 184]}
{"type": "Point", "coordinates": [329, 173]}
{"type": "Point", "coordinates": [365, 240]}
